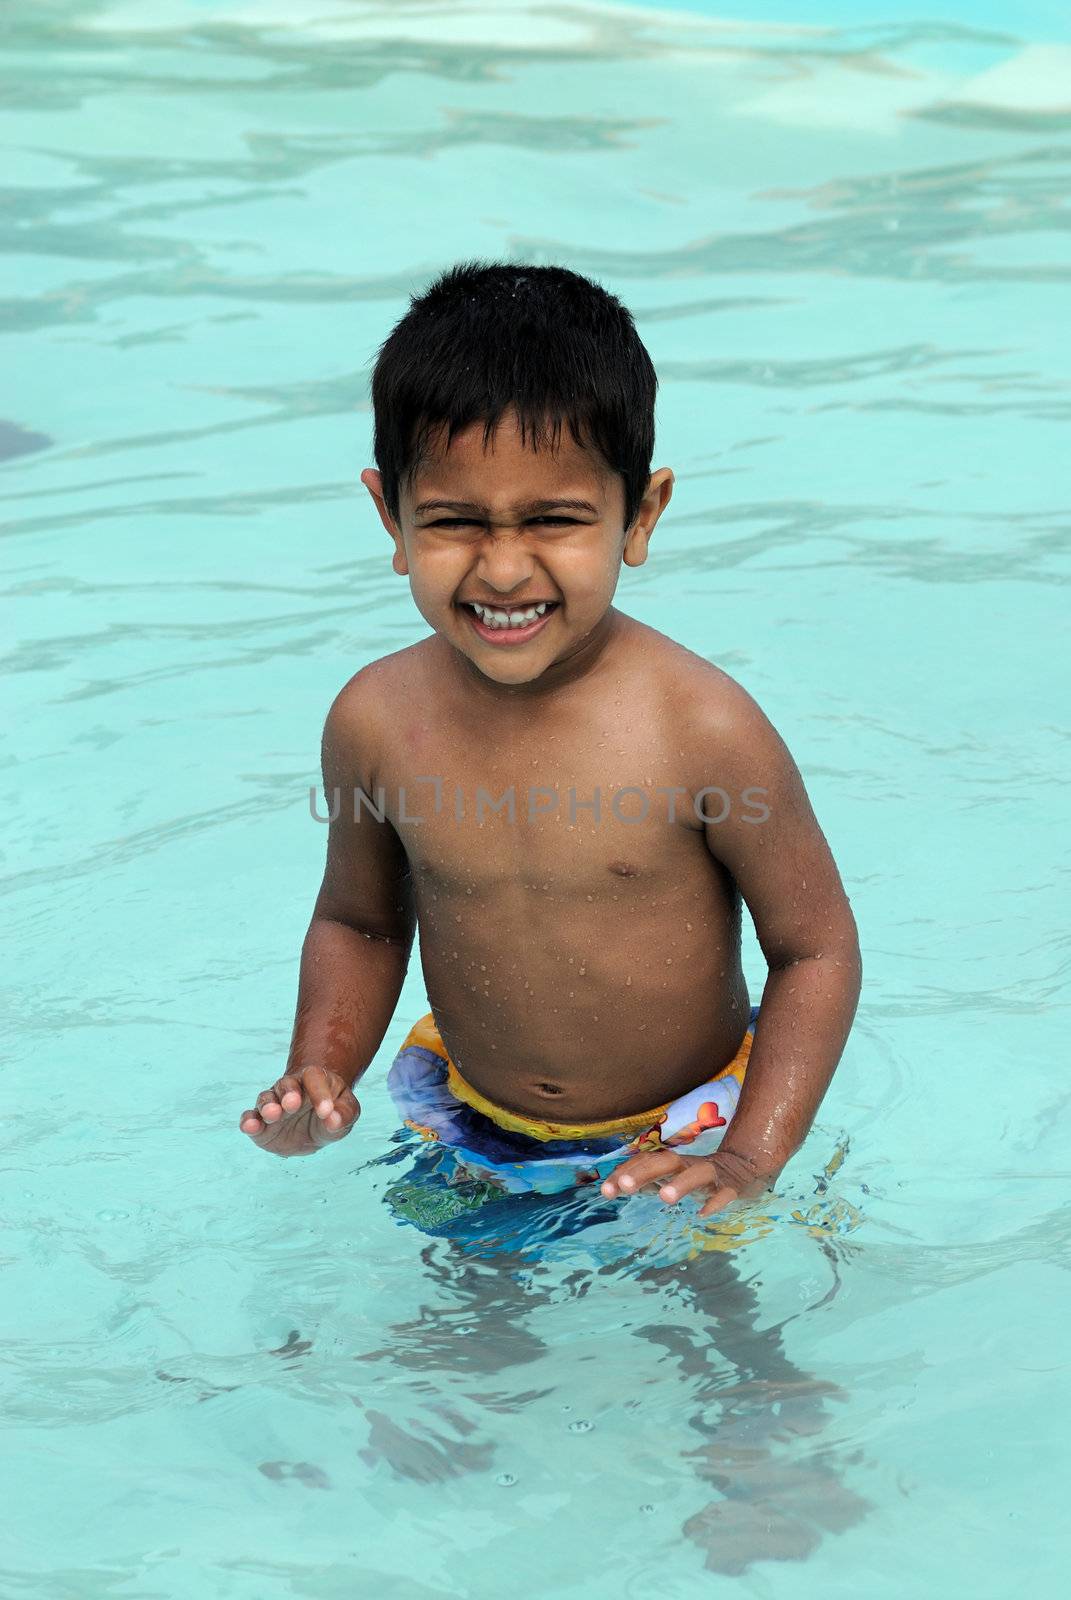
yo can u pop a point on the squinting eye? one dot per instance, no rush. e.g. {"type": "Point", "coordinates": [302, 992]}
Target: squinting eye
{"type": "Point", "coordinates": [455, 522]}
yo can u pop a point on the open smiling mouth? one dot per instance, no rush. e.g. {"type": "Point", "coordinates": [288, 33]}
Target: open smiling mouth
{"type": "Point", "coordinates": [515, 626]}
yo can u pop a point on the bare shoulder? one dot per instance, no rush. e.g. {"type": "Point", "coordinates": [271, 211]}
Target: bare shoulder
{"type": "Point", "coordinates": [374, 688]}
{"type": "Point", "coordinates": [366, 707]}
{"type": "Point", "coordinates": [700, 701]}
{"type": "Point", "coordinates": [715, 731]}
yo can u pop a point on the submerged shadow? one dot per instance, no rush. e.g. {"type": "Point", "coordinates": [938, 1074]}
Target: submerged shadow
{"type": "Point", "coordinates": [779, 1488]}
{"type": "Point", "coordinates": [762, 1421]}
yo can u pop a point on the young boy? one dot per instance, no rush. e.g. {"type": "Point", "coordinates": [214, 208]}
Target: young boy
{"type": "Point", "coordinates": [567, 804]}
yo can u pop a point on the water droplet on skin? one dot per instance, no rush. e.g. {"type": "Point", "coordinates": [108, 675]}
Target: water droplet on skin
{"type": "Point", "coordinates": [669, 961]}
{"type": "Point", "coordinates": [688, 925]}
{"type": "Point", "coordinates": [628, 980]}
{"type": "Point", "coordinates": [581, 1427]}
{"type": "Point", "coordinates": [582, 971]}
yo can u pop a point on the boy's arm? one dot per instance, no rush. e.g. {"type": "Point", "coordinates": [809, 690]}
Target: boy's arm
{"type": "Point", "coordinates": [356, 950]}
{"type": "Point", "coordinates": [786, 875]}
{"type": "Point", "coordinates": [789, 881]}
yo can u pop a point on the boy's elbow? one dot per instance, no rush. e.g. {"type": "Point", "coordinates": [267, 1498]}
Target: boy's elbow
{"type": "Point", "coordinates": [841, 943]}
{"type": "Point", "coordinates": [831, 937]}
{"type": "Point", "coordinates": [854, 949]}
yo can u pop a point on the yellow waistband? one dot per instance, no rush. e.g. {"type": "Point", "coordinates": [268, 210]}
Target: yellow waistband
{"type": "Point", "coordinates": [426, 1035]}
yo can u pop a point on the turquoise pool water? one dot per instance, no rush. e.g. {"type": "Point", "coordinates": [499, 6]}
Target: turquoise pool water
{"type": "Point", "coordinates": [846, 244]}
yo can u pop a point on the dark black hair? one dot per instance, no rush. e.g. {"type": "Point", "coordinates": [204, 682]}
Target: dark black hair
{"type": "Point", "coordinates": [490, 336]}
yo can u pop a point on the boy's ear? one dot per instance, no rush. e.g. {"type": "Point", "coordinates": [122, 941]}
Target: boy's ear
{"type": "Point", "coordinates": [654, 502]}
{"type": "Point", "coordinates": [374, 484]}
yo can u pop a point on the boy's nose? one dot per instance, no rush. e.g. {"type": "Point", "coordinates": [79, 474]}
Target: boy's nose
{"type": "Point", "coordinates": [504, 564]}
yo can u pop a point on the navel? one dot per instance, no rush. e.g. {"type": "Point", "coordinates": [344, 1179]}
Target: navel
{"type": "Point", "coordinates": [624, 869]}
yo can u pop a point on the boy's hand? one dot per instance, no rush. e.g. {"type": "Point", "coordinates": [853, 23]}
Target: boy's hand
{"type": "Point", "coordinates": [726, 1175]}
{"type": "Point", "coordinates": [301, 1112]}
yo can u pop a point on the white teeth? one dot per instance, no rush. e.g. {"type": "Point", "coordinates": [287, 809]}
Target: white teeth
{"type": "Point", "coordinates": [508, 619]}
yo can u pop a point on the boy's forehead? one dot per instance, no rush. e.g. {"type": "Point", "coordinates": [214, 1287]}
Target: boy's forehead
{"type": "Point", "coordinates": [508, 474]}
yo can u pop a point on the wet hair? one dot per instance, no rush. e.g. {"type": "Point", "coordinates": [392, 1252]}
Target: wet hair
{"type": "Point", "coordinates": [487, 337]}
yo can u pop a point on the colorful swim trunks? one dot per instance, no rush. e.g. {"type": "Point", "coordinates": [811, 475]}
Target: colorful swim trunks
{"type": "Point", "coordinates": [521, 1155]}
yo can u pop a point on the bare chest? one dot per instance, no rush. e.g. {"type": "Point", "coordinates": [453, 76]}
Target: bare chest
{"type": "Point", "coordinates": [594, 812]}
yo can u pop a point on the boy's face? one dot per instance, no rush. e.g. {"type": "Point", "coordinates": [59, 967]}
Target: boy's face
{"type": "Point", "coordinates": [504, 547]}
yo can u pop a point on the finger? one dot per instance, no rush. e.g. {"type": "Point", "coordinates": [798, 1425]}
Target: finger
{"type": "Point", "coordinates": [339, 1120]}
{"type": "Point", "coordinates": [320, 1090]}
{"type": "Point", "coordinates": [289, 1092]}
{"type": "Point", "coordinates": [250, 1122]}
{"type": "Point", "coordinates": [697, 1175]}
{"type": "Point", "coordinates": [719, 1200]}
{"type": "Point", "coordinates": [269, 1108]}
{"type": "Point", "coordinates": [638, 1170]}
{"type": "Point", "coordinates": [348, 1104]}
